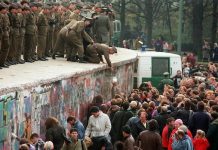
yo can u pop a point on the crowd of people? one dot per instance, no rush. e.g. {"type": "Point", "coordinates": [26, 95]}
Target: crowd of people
{"type": "Point", "coordinates": [33, 31]}
{"type": "Point", "coordinates": [181, 115]}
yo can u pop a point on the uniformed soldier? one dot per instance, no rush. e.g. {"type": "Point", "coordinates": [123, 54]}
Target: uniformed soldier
{"type": "Point", "coordinates": [14, 33]}
{"type": "Point", "coordinates": [5, 34]}
{"type": "Point", "coordinates": [95, 51]}
{"type": "Point", "coordinates": [102, 27]}
{"type": "Point", "coordinates": [42, 25]}
{"type": "Point", "coordinates": [30, 34]}
{"type": "Point", "coordinates": [165, 81]}
{"type": "Point", "coordinates": [21, 17]}
{"type": "Point", "coordinates": [75, 35]}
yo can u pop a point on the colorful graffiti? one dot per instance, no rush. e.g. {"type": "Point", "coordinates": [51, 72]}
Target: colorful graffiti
{"type": "Point", "coordinates": [24, 112]}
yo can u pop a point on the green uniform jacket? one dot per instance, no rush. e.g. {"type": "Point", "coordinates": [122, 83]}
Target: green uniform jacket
{"type": "Point", "coordinates": [42, 25]}
{"type": "Point", "coordinates": [95, 52]}
{"type": "Point", "coordinates": [31, 24]}
{"type": "Point", "coordinates": [163, 82]}
{"type": "Point", "coordinates": [102, 29]}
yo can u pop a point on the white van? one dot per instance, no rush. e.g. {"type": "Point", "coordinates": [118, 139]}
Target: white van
{"type": "Point", "coordinates": [151, 66]}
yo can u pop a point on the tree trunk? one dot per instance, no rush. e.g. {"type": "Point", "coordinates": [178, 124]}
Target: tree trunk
{"type": "Point", "coordinates": [149, 21]}
{"type": "Point", "coordinates": [169, 20]}
{"type": "Point", "coordinates": [122, 20]}
{"type": "Point", "coordinates": [214, 24]}
{"type": "Point", "coordinates": [197, 26]}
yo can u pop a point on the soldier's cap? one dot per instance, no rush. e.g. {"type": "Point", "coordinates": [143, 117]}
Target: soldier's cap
{"type": "Point", "coordinates": [79, 5]}
{"type": "Point", "coordinates": [166, 73]}
{"type": "Point", "coordinates": [12, 6]}
{"type": "Point", "coordinates": [26, 7]}
{"type": "Point", "coordinates": [19, 5]}
{"type": "Point", "coordinates": [98, 5]}
{"type": "Point", "coordinates": [86, 15]}
{"type": "Point", "coordinates": [45, 6]}
{"type": "Point", "coordinates": [6, 2]}
{"type": "Point", "coordinates": [3, 6]}
{"type": "Point", "coordinates": [38, 4]}
{"type": "Point", "coordinates": [24, 2]}
{"type": "Point", "coordinates": [65, 4]}
{"type": "Point", "coordinates": [33, 4]}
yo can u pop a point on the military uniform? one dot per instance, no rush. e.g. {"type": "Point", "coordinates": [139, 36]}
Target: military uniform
{"type": "Point", "coordinates": [102, 29]}
{"type": "Point", "coordinates": [30, 34]}
{"type": "Point", "coordinates": [14, 37]}
{"type": "Point", "coordinates": [94, 53]}
{"type": "Point", "coordinates": [165, 81]}
{"type": "Point", "coordinates": [74, 38]}
{"type": "Point", "coordinates": [42, 25]}
{"type": "Point", "coordinates": [5, 39]}
{"type": "Point", "coordinates": [20, 48]}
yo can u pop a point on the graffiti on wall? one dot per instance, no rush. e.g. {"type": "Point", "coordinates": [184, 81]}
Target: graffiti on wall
{"type": "Point", "coordinates": [25, 112]}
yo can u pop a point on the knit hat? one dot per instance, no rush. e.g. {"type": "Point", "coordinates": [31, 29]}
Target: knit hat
{"type": "Point", "coordinates": [178, 121]}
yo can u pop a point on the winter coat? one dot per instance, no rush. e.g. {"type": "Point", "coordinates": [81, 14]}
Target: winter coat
{"type": "Point", "coordinates": [150, 140]}
{"type": "Point", "coordinates": [184, 144]}
{"type": "Point", "coordinates": [200, 144]}
{"type": "Point", "coordinates": [129, 143]}
{"type": "Point", "coordinates": [212, 135]}
{"type": "Point", "coordinates": [172, 135]}
{"type": "Point", "coordinates": [56, 134]}
{"type": "Point", "coordinates": [166, 135]}
{"type": "Point", "coordinates": [199, 120]}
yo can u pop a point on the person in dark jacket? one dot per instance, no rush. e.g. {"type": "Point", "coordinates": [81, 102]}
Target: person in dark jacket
{"type": "Point", "coordinates": [212, 134]}
{"type": "Point", "coordinates": [199, 120]}
{"type": "Point", "coordinates": [150, 139]}
{"type": "Point", "coordinates": [55, 133]}
{"type": "Point", "coordinates": [120, 119]}
{"type": "Point", "coordinates": [162, 118]}
{"type": "Point", "coordinates": [140, 125]}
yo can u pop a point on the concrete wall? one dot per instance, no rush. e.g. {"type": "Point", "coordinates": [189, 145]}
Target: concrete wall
{"type": "Point", "coordinates": [24, 112]}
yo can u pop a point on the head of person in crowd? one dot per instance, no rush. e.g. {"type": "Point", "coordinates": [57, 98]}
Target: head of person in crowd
{"type": "Point", "coordinates": [171, 122]}
{"type": "Point", "coordinates": [104, 108]}
{"type": "Point", "coordinates": [153, 125]}
{"type": "Point", "coordinates": [125, 105]}
{"type": "Point", "coordinates": [49, 145]}
{"type": "Point", "coordinates": [95, 111]}
{"type": "Point", "coordinates": [180, 134]}
{"type": "Point", "coordinates": [26, 9]}
{"type": "Point", "coordinates": [78, 8]}
{"type": "Point", "coordinates": [200, 134]}
{"type": "Point", "coordinates": [74, 134]}
{"type": "Point", "coordinates": [24, 147]}
{"type": "Point", "coordinates": [98, 100]}
{"type": "Point", "coordinates": [20, 7]}
{"type": "Point", "coordinates": [178, 123]}
{"type": "Point", "coordinates": [51, 122]}
{"type": "Point", "coordinates": [34, 138]}
{"type": "Point", "coordinates": [210, 95]}
{"type": "Point", "coordinates": [46, 9]}
{"type": "Point", "coordinates": [133, 105]}
{"type": "Point", "coordinates": [71, 120]}
{"type": "Point", "coordinates": [126, 131]}
{"type": "Point", "coordinates": [183, 128]}
{"type": "Point", "coordinates": [201, 106]}
{"type": "Point", "coordinates": [142, 114]}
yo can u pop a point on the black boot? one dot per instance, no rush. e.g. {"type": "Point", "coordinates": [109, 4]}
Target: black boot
{"type": "Point", "coordinates": [81, 60]}
{"type": "Point", "coordinates": [74, 59]}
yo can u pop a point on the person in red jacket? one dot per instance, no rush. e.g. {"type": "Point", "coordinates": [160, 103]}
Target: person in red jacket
{"type": "Point", "coordinates": [167, 132]}
{"type": "Point", "coordinates": [200, 142]}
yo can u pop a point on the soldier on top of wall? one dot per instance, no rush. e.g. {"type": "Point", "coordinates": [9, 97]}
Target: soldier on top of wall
{"type": "Point", "coordinates": [4, 34]}
{"type": "Point", "coordinates": [101, 27]}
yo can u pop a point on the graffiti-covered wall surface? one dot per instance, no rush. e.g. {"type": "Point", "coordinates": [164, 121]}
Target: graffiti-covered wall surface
{"type": "Point", "coordinates": [24, 112]}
